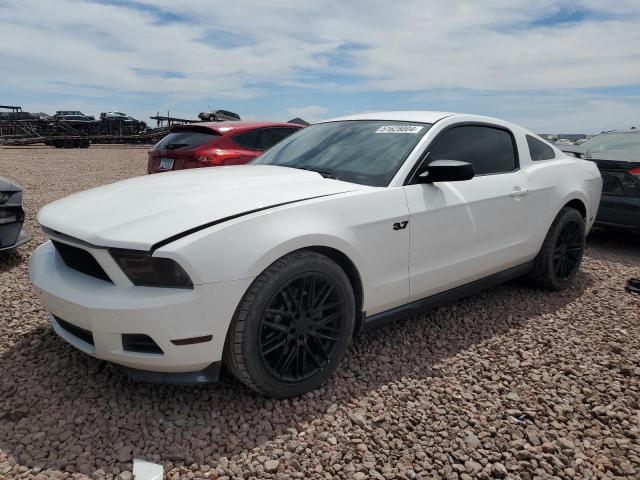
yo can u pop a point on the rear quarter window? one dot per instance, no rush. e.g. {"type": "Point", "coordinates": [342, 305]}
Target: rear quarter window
{"type": "Point", "coordinates": [272, 135]}
{"type": "Point", "coordinates": [247, 139]}
{"type": "Point", "coordinates": [539, 150]}
{"type": "Point", "coordinates": [185, 139]}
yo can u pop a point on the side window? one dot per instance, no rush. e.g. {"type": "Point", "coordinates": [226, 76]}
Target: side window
{"type": "Point", "coordinates": [271, 136]}
{"type": "Point", "coordinates": [539, 150]}
{"type": "Point", "coordinates": [247, 139]}
{"type": "Point", "coordinates": [488, 149]}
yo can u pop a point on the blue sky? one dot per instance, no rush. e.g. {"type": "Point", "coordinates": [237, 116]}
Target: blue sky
{"type": "Point", "coordinates": [552, 66]}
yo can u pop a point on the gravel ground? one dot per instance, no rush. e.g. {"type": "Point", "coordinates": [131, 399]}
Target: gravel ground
{"type": "Point", "coordinates": [511, 383]}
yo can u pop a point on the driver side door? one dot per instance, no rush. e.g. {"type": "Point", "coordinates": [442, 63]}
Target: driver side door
{"type": "Point", "coordinates": [466, 230]}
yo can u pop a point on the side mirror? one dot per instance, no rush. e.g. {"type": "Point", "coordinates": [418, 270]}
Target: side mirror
{"type": "Point", "coordinates": [446, 171]}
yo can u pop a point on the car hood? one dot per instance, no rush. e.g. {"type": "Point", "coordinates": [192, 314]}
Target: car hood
{"type": "Point", "coordinates": [140, 212]}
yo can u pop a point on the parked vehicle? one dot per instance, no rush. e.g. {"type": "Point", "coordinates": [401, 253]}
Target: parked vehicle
{"type": "Point", "coordinates": [273, 267]}
{"type": "Point", "coordinates": [218, 116]}
{"type": "Point", "coordinates": [617, 155]}
{"type": "Point", "coordinates": [113, 122]}
{"type": "Point", "coordinates": [217, 143]}
{"type": "Point", "coordinates": [117, 115]}
{"type": "Point", "coordinates": [73, 115]}
{"type": "Point", "coordinates": [11, 215]}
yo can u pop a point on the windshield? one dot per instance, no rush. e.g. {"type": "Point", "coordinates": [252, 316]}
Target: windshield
{"type": "Point", "coordinates": [613, 146]}
{"type": "Point", "coordinates": [186, 138]}
{"type": "Point", "coordinates": [368, 152]}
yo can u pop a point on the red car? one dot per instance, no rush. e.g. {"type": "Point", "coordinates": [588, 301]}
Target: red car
{"type": "Point", "coordinates": [210, 144]}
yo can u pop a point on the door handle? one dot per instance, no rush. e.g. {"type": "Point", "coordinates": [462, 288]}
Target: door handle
{"type": "Point", "coordinates": [519, 192]}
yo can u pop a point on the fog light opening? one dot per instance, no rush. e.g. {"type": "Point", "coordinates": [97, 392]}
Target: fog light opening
{"type": "Point", "coordinates": [140, 343]}
{"type": "Point", "coordinates": [192, 340]}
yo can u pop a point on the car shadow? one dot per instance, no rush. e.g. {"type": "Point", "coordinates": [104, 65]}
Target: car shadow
{"type": "Point", "coordinates": [10, 259]}
{"type": "Point", "coordinates": [61, 409]}
{"type": "Point", "coordinates": [617, 246]}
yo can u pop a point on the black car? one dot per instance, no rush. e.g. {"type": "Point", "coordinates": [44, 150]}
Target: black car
{"type": "Point", "coordinates": [11, 215]}
{"type": "Point", "coordinates": [617, 154]}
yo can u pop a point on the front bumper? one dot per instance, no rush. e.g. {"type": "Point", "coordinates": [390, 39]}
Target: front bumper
{"type": "Point", "coordinates": [110, 310]}
{"type": "Point", "coordinates": [11, 217]}
{"type": "Point", "coordinates": [618, 211]}
{"type": "Point", "coordinates": [23, 237]}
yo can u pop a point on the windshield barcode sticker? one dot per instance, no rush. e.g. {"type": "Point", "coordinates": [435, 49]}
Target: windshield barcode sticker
{"type": "Point", "coordinates": [399, 129]}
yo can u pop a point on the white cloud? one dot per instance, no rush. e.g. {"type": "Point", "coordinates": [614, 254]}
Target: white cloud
{"type": "Point", "coordinates": [418, 44]}
{"type": "Point", "coordinates": [591, 115]}
{"type": "Point", "coordinates": [240, 50]}
{"type": "Point", "coordinates": [312, 113]}
{"type": "Point", "coordinates": [410, 45]}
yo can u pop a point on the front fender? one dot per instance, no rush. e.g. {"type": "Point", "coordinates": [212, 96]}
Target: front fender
{"type": "Point", "coordinates": [357, 224]}
{"type": "Point", "coordinates": [244, 247]}
{"type": "Point", "coordinates": [306, 240]}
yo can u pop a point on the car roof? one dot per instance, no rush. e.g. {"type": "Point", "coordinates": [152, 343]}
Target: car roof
{"type": "Point", "coordinates": [628, 130]}
{"type": "Point", "coordinates": [408, 116]}
{"type": "Point", "coordinates": [236, 126]}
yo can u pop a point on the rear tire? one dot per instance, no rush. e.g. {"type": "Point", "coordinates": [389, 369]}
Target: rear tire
{"type": "Point", "coordinates": [558, 261]}
{"type": "Point", "coordinates": [292, 327]}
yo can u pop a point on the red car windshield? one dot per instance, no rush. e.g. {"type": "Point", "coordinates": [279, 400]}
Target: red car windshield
{"type": "Point", "coordinates": [186, 138]}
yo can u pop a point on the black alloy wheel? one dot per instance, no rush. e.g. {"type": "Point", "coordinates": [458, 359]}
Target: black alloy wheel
{"type": "Point", "coordinates": [559, 258]}
{"type": "Point", "coordinates": [293, 326]}
{"type": "Point", "coordinates": [568, 250]}
{"type": "Point", "coordinates": [301, 327]}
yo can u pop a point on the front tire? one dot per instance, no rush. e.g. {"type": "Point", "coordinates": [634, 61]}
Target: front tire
{"type": "Point", "coordinates": [558, 261]}
{"type": "Point", "coordinates": [292, 327]}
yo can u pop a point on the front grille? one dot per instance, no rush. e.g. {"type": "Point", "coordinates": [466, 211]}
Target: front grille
{"type": "Point", "coordinates": [80, 260]}
{"type": "Point", "coordinates": [140, 343]}
{"type": "Point", "coordinates": [81, 333]}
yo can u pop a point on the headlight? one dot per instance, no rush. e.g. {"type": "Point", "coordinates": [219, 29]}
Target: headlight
{"type": "Point", "coordinates": [8, 219]}
{"type": "Point", "coordinates": [10, 213]}
{"type": "Point", "coordinates": [11, 198]}
{"type": "Point", "coordinates": [147, 271]}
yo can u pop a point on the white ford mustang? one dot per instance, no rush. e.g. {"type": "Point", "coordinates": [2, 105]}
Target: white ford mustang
{"type": "Point", "coordinates": [273, 267]}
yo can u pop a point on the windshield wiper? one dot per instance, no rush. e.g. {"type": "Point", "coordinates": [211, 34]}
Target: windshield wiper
{"type": "Point", "coordinates": [324, 173]}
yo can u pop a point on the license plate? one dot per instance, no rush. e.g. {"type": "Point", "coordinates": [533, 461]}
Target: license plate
{"type": "Point", "coordinates": [166, 164]}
